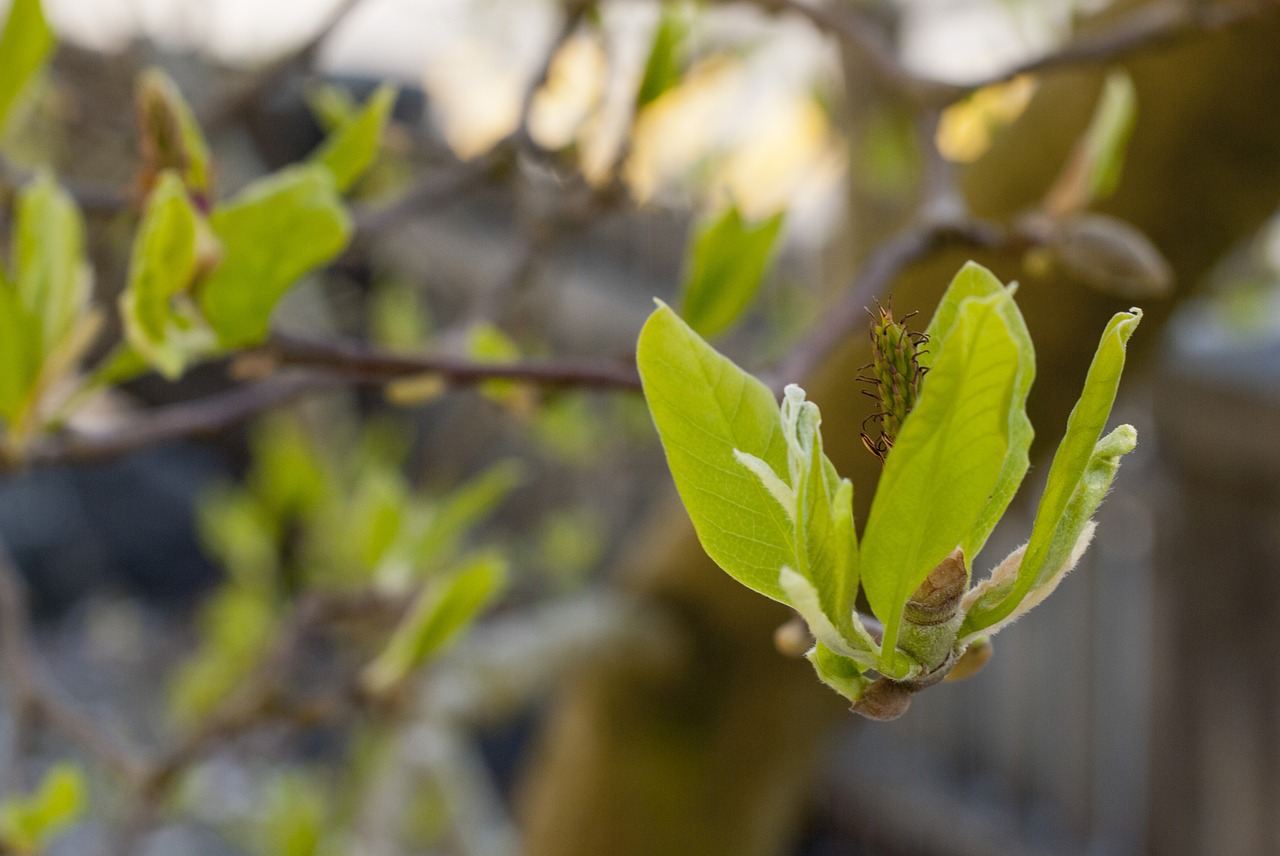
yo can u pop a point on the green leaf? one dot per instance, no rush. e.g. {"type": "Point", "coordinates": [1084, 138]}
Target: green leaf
{"type": "Point", "coordinates": [28, 824]}
{"type": "Point", "coordinates": [351, 149]}
{"type": "Point", "coordinates": [24, 47]}
{"type": "Point", "coordinates": [450, 521]}
{"type": "Point", "coordinates": [162, 267]}
{"type": "Point", "coordinates": [945, 462]}
{"type": "Point", "coordinates": [236, 625]}
{"type": "Point", "coordinates": [1108, 136]}
{"type": "Point", "coordinates": [974, 280]}
{"type": "Point", "coordinates": [826, 549]}
{"type": "Point", "coordinates": [840, 673]}
{"type": "Point", "coordinates": [272, 233]}
{"type": "Point", "coordinates": [705, 408]}
{"type": "Point", "coordinates": [1070, 464]}
{"type": "Point", "coordinates": [294, 817]}
{"type": "Point", "coordinates": [49, 258]}
{"type": "Point", "coordinates": [446, 606]}
{"type": "Point", "coordinates": [667, 57]}
{"type": "Point", "coordinates": [332, 106]}
{"type": "Point", "coordinates": [166, 113]}
{"type": "Point", "coordinates": [729, 259]}
{"type": "Point", "coordinates": [20, 353]}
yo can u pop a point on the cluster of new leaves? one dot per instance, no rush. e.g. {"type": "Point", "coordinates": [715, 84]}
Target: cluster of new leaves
{"type": "Point", "coordinates": [771, 510]}
{"type": "Point", "coordinates": [311, 519]}
{"type": "Point", "coordinates": [204, 274]}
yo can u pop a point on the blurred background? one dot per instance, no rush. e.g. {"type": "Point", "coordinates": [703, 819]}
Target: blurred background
{"type": "Point", "coordinates": [547, 171]}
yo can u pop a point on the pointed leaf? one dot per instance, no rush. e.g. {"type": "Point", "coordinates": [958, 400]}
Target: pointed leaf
{"type": "Point", "coordinates": [20, 353]}
{"type": "Point", "coordinates": [24, 47]}
{"type": "Point", "coordinates": [666, 58]}
{"type": "Point", "coordinates": [272, 233]}
{"type": "Point", "coordinates": [446, 606]}
{"type": "Point", "coordinates": [1071, 461]}
{"type": "Point", "coordinates": [728, 262]}
{"type": "Point", "coordinates": [974, 280]}
{"type": "Point", "coordinates": [174, 134]}
{"type": "Point", "coordinates": [161, 267]}
{"type": "Point", "coordinates": [705, 407]}
{"type": "Point", "coordinates": [49, 258]}
{"type": "Point", "coordinates": [351, 149]}
{"type": "Point", "coordinates": [944, 463]}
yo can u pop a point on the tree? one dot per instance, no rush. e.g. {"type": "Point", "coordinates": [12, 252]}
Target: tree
{"type": "Point", "coordinates": [326, 543]}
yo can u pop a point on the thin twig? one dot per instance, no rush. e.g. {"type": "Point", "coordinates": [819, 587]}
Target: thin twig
{"type": "Point", "coordinates": [372, 364]}
{"type": "Point", "coordinates": [30, 696]}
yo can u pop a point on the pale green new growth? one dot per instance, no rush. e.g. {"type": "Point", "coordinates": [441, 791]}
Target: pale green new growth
{"type": "Point", "coordinates": [770, 509]}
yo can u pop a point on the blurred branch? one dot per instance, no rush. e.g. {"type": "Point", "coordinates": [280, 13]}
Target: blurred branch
{"type": "Point", "coordinates": [1148, 27]}
{"type": "Point", "coordinates": [30, 697]}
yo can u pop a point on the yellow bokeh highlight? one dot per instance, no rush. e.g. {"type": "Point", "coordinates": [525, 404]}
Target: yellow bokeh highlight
{"type": "Point", "coordinates": [477, 94]}
{"type": "Point", "coordinates": [574, 88]}
{"type": "Point", "coordinates": [967, 129]}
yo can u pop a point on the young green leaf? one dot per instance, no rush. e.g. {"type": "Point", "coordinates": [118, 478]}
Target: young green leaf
{"type": "Point", "coordinates": [171, 136]}
{"type": "Point", "coordinates": [1108, 135]}
{"type": "Point", "coordinates": [974, 280]}
{"type": "Point", "coordinates": [49, 258]}
{"type": "Point", "coordinates": [162, 267]}
{"type": "Point", "coordinates": [1070, 464]}
{"type": "Point", "coordinates": [706, 408]}
{"type": "Point", "coordinates": [946, 461]}
{"type": "Point", "coordinates": [27, 824]}
{"type": "Point", "coordinates": [449, 522]}
{"type": "Point", "coordinates": [728, 262]}
{"type": "Point", "coordinates": [24, 47]}
{"type": "Point", "coordinates": [272, 233]}
{"type": "Point", "coordinates": [20, 353]}
{"type": "Point", "coordinates": [666, 61]}
{"type": "Point", "coordinates": [351, 149]}
{"type": "Point", "coordinates": [446, 606]}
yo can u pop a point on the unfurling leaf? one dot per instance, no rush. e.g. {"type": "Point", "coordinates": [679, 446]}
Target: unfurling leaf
{"type": "Point", "coordinates": [352, 147]}
{"type": "Point", "coordinates": [728, 262]}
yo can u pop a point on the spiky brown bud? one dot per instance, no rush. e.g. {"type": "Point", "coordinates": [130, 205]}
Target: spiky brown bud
{"type": "Point", "coordinates": [894, 377]}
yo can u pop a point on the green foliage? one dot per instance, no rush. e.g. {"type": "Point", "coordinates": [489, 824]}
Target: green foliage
{"type": "Point", "coordinates": [295, 819]}
{"type": "Point", "coordinates": [171, 136]}
{"type": "Point", "coordinates": [46, 321]}
{"type": "Point", "coordinates": [161, 322]}
{"type": "Point", "coordinates": [447, 604]}
{"type": "Point", "coordinates": [770, 509]}
{"type": "Point", "coordinates": [728, 261]}
{"type": "Point", "coordinates": [353, 145]}
{"type": "Point", "coordinates": [667, 57]}
{"type": "Point", "coordinates": [25, 46]}
{"type": "Point", "coordinates": [1108, 136]}
{"type": "Point", "coordinates": [29, 824]}
{"type": "Point", "coordinates": [273, 232]}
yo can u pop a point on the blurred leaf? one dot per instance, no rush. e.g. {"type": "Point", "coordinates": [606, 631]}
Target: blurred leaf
{"type": "Point", "coordinates": [49, 258]}
{"type": "Point", "coordinates": [1109, 131]}
{"type": "Point", "coordinates": [236, 626]}
{"type": "Point", "coordinates": [20, 353]}
{"type": "Point", "coordinates": [24, 47]}
{"type": "Point", "coordinates": [28, 824]}
{"type": "Point", "coordinates": [293, 820]}
{"type": "Point", "coordinates": [571, 543]}
{"type": "Point", "coordinates": [240, 534]}
{"type": "Point", "coordinates": [351, 149]}
{"type": "Point", "coordinates": [446, 606]}
{"type": "Point", "coordinates": [399, 317]}
{"type": "Point", "coordinates": [667, 57]}
{"type": "Point", "coordinates": [163, 329]}
{"type": "Point", "coordinates": [289, 475]}
{"type": "Point", "coordinates": [272, 233]}
{"type": "Point", "coordinates": [945, 462]}
{"type": "Point", "coordinates": [705, 409]}
{"type": "Point", "coordinates": [171, 136]}
{"type": "Point", "coordinates": [728, 262]}
{"type": "Point", "coordinates": [332, 106]}
{"type": "Point", "coordinates": [451, 520]}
